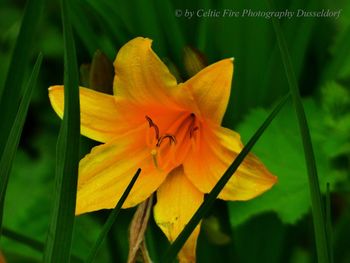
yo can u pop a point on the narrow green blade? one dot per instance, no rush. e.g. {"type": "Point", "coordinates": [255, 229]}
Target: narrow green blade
{"type": "Point", "coordinates": [115, 28]}
{"type": "Point", "coordinates": [59, 240]}
{"type": "Point", "coordinates": [15, 135]}
{"type": "Point", "coordinates": [328, 220]}
{"type": "Point", "coordinates": [85, 29]}
{"type": "Point", "coordinates": [20, 238]}
{"type": "Point", "coordinates": [203, 28]}
{"type": "Point", "coordinates": [13, 87]}
{"type": "Point", "coordinates": [111, 219]}
{"type": "Point", "coordinates": [317, 205]}
{"type": "Point", "coordinates": [171, 253]}
{"type": "Point", "coordinates": [171, 29]}
{"type": "Point", "coordinates": [29, 242]}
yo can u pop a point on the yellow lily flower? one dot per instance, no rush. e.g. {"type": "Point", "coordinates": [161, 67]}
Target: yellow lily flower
{"type": "Point", "coordinates": [171, 131]}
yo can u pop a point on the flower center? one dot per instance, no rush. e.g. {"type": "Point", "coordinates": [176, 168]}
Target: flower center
{"type": "Point", "coordinates": [170, 145]}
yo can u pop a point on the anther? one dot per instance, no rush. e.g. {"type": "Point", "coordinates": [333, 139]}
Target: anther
{"type": "Point", "coordinates": [153, 125]}
{"type": "Point", "coordinates": [172, 139]}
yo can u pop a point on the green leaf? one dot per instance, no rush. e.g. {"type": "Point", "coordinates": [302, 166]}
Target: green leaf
{"type": "Point", "coordinates": [211, 197]}
{"type": "Point", "coordinates": [279, 150]}
{"type": "Point", "coordinates": [11, 92]}
{"type": "Point", "coordinates": [59, 240]}
{"type": "Point", "coordinates": [336, 103]}
{"type": "Point", "coordinates": [339, 65]}
{"type": "Point", "coordinates": [111, 219]}
{"type": "Point", "coordinates": [15, 135]}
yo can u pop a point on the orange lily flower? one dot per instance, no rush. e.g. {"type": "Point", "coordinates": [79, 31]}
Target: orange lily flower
{"type": "Point", "coordinates": [171, 131]}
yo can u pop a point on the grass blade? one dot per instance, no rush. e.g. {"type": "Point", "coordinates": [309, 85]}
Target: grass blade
{"type": "Point", "coordinates": [15, 134]}
{"type": "Point", "coordinates": [58, 245]}
{"type": "Point", "coordinates": [110, 20]}
{"type": "Point", "coordinates": [85, 29]}
{"type": "Point", "coordinates": [171, 30]}
{"type": "Point", "coordinates": [111, 219]}
{"type": "Point", "coordinates": [211, 197]}
{"type": "Point", "coordinates": [13, 87]}
{"type": "Point", "coordinates": [329, 223]}
{"type": "Point", "coordinates": [317, 205]}
{"type": "Point", "coordinates": [202, 28]}
{"type": "Point", "coordinates": [20, 238]}
{"type": "Point", "coordinates": [30, 242]}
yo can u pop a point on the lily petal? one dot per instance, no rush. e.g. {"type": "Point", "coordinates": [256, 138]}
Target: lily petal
{"type": "Point", "coordinates": [100, 119]}
{"type": "Point", "coordinates": [177, 200]}
{"type": "Point", "coordinates": [142, 77]}
{"type": "Point", "coordinates": [211, 88]}
{"type": "Point", "coordinates": [105, 173]}
{"type": "Point", "coordinates": [210, 159]}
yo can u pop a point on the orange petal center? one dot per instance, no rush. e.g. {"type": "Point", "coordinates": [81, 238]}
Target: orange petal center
{"type": "Point", "coordinates": [170, 145]}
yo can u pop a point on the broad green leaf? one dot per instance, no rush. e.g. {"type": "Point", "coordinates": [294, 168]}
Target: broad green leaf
{"type": "Point", "coordinates": [339, 64]}
{"type": "Point", "coordinates": [336, 103]}
{"type": "Point", "coordinates": [280, 149]}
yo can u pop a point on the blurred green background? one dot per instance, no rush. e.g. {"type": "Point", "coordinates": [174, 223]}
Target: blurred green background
{"type": "Point", "coordinates": [275, 227]}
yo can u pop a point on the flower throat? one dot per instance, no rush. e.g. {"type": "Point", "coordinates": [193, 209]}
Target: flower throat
{"type": "Point", "coordinates": [180, 133]}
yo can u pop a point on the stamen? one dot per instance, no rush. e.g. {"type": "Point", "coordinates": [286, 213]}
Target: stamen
{"type": "Point", "coordinates": [154, 157]}
{"type": "Point", "coordinates": [153, 125]}
{"type": "Point", "coordinates": [172, 139]}
{"type": "Point", "coordinates": [192, 130]}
